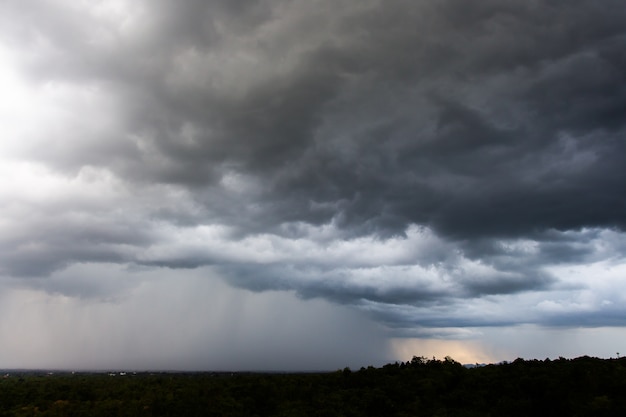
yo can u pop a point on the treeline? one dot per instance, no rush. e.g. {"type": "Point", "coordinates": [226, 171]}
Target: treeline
{"type": "Point", "coordinates": [421, 387]}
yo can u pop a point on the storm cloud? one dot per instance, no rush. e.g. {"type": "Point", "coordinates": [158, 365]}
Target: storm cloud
{"type": "Point", "coordinates": [436, 166]}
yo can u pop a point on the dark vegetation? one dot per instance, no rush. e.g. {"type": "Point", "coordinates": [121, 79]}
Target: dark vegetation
{"type": "Point", "coordinates": [578, 387]}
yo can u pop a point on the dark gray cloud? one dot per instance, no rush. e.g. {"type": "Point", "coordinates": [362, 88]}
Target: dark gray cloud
{"type": "Point", "coordinates": [410, 159]}
{"type": "Point", "coordinates": [472, 146]}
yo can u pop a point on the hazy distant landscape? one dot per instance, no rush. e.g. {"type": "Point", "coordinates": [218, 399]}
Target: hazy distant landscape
{"type": "Point", "coordinates": [583, 386]}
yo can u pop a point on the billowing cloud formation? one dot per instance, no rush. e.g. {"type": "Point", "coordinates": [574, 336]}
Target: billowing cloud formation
{"type": "Point", "coordinates": [437, 164]}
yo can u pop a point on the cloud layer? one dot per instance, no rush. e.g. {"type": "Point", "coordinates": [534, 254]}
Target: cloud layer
{"type": "Point", "coordinates": [437, 165]}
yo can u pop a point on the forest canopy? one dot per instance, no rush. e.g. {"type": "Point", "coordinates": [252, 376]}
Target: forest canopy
{"type": "Point", "coordinates": [583, 386]}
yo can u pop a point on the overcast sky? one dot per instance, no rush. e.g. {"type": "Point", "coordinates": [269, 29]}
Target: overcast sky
{"type": "Point", "coordinates": [310, 184]}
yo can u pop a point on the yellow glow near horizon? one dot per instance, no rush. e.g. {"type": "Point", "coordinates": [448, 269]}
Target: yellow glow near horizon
{"type": "Point", "coordinates": [463, 351]}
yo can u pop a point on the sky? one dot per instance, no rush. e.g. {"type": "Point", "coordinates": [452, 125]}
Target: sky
{"type": "Point", "coordinates": [310, 184]}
